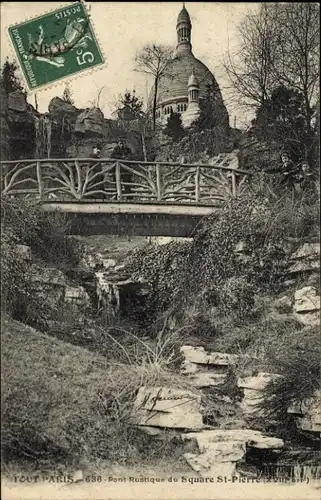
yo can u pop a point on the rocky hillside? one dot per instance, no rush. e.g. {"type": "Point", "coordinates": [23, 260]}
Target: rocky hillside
{"type": "Point", "coordinates": [63, 131]}
{"type": "Point", "coordinates": [235, 350]}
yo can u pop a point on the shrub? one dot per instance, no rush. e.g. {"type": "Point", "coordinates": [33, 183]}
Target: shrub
{"type": "Point", "coordinates": [14, 280]}
{"type": "Point", "coordinates": [174, 127]}
{"type": "Point", "coordinates": [239, 252]}
{"type": "Point", "coordinates": [23, 222]}
{"type": "Point", "coordinates": [297, 358]}
{"type": "Point", "coordinates": [19, 298]}
{"type": "Point", "coordinates": [46, 233]}
{"type": "Point", "coordinates": [163, 267]}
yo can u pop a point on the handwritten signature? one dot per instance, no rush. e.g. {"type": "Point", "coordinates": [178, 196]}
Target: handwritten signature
{"type": "Point", "coordinates": [148, 398]}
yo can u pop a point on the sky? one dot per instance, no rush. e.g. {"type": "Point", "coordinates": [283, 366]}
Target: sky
{"type": "Point", "coordinates": [122, 29]}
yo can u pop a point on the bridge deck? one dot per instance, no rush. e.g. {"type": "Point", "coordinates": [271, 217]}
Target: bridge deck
{"type": "Point", "coordinates": [99, 207]}
{"type": "Point", "coordinates": [112, 196]}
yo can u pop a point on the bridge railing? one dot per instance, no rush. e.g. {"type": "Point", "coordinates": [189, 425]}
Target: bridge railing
{"type": "Point", "coordinates": [106, 179]}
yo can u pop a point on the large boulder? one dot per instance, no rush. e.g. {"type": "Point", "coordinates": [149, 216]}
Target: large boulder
{"type": "Point", "coordinates": [306, 300]}
{"type": "Point", "coordinates": [91, 122]}
{"type": "Point", "coordinates": [253, 391]}
{"type": "Point", "coordinates": [17, 101]}
{"type": "Point", "coordinates": [58, 106]}
{"type": "Point", "coordinates": [117, 291]}
{"type": "Point", "coordinates": [49, 285]}
{"type": "Point", "coordinates": [220, 450]}
{"type": "Point", "coordinates": [77, 296]}
{"type": "Point", "coordinates": [21, 119]}
{"type": "Point", "coordinates": [308, 414]}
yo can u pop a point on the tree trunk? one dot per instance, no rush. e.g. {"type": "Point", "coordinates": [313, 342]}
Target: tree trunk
{"type": "Point", "coordinates": [144, 147]}
{"type": "Point", "coordinates": [155, 102]}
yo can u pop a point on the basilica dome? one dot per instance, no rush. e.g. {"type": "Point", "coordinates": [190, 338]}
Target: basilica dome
{"type": "Point", "coordinates": [175, 83]}
{"type": "Point", "coordinates": [185, 81]}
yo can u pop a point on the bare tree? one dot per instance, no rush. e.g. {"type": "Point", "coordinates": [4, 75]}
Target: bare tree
{"type": "Point", "coordinates": [297, 60]}
{"type": "Point", "coordinates": [67, 95]}
{"type": "Point", "coordinates": [250, 67]}
{"type": "Point", "coordinates": [279, 46]}
{"type": "Point", "coordinates": [94, 103]}
{"type": "Point", "coordinates": [154, 60]}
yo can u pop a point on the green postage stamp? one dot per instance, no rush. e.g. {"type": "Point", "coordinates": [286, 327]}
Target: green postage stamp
{"type": "Point", "coordinates": [56, 45]}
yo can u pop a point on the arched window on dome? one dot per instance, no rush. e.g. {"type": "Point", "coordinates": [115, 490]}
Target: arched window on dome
{"type": "Point", "coordinates": [179, 108]}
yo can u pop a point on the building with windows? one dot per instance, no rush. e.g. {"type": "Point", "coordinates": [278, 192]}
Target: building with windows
{"type": "Point", "coordinates": [186, 81]}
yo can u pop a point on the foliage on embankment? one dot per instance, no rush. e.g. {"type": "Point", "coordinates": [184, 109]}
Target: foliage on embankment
{"type": "Point", "coordinates": [64, 403]}
{"type": "Point", "coordinates": [24, 223]}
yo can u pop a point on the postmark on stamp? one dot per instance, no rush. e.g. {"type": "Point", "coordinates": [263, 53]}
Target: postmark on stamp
{"type": "Point", "coordinates": [56, 45]}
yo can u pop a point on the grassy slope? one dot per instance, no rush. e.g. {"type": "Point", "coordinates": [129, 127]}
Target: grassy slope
{"type": "Point", "coordinates": [64, 403]}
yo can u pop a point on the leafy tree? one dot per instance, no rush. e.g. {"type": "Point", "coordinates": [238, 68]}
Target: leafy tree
{"type": "Point", "coordinates": [174, 127]}
{"type": "Point", "coordinates": [154, 60]}
{"type": "Point", "coordinates": [212, 112]}
{"type": "Point", "coordinates": [67, 95]}
{"type": "Point", "coordinates": [129, 106]}
{"type": "Point", "coordinates": [281, 120]}
{"type": "Point", "coordinates": [10, 81]}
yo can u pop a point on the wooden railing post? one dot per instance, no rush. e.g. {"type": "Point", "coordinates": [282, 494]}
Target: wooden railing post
{"type": "Point", "coordinates": [118, 182]}
{"type": "Point", "coordinates": [197, 184]}
{"type": "Point", "coordinates": [233, 184]}
{"type": "Point", "coordinates": [39, 179]}
{"type": "Point", "coordinates": [158, 182]}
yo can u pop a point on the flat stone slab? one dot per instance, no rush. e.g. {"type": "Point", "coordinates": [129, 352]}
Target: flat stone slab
{"type": "Point", "coordinates": [306, 300]}
{"type": "Point", "coordinates": [221, 449]}
{"type": "Point", "coordinates": [199, 355]}
{"type": "Point", "coordinates": [307, 424]}
{"type": "Point", "coordinates": [224, 451]}
{"type": "Point", "coordinates": [304, 266]}
{"type": "Point", "coordinates": [168, 408]}
{"type": "Point", "coordinates": [205, 369]}
{"type": "Point", "coordinates": [207, 379]}
{"type": "Point", "coordinates": [308, 250]}
{"type": "Point", "coordinates": [247, 437]}
{"type": "Point", "coordinates": [308, 319]}
{"type": "Point", "coordinates": [76, 294]}
{"type": "Point", "coordinates": [308, 413]}
{"type": "Point", "coordinates": [206, 466]}
{"type": "Point", "coordinates": [167, 400]}
{"type": "Point", "coordinates": [257, 382]}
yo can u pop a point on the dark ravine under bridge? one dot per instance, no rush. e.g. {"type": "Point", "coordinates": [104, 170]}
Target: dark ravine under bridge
{"type": "Point", "coordinates": [108, 196]}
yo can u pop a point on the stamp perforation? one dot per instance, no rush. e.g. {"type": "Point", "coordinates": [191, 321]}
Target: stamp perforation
{"type": "Point", "coordinates": [66, 78]}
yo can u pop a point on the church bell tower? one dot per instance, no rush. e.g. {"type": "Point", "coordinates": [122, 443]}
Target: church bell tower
{"type": "Point", "coordinates": [184, 29]}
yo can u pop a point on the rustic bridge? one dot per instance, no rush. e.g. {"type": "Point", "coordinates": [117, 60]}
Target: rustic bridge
{"type": "Point", "coordinates": [105, 195]}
